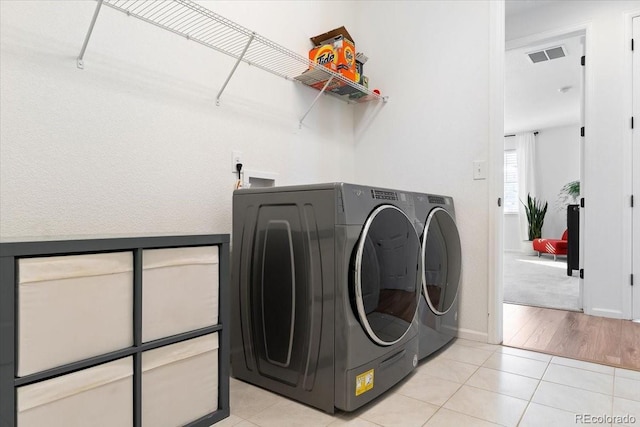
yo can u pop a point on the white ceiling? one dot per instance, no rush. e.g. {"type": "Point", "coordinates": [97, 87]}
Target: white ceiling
{"type": "Point", "coordinates": [532, 99]}
{"type": "Point", "coordinates": [512, 7]}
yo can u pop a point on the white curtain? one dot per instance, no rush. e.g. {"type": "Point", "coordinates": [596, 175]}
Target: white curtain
{"type": "Point", "coordinates": [526, 154]}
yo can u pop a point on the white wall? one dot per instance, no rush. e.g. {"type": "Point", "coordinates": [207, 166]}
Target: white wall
{"type": "Point", "coordinates": [432, 58]}
{"type": "Point", "coordinates": [557, 163]}
{"type": "Point", "coordinates": [607, 171]}
{"type": "Point", "coordinates": [134, 142]}
{"type": "Point", "coordinates": [511, 236]}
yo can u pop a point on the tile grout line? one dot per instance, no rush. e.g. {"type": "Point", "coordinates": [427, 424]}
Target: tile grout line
{"type": "Point", "coordinates": [530, 358]}
{"type": "Point", "coordinates": [520, 357]}
{"type": "Point", "coordinates": [466, 415]}
{"type": "Point", "coordinates": [458, 389]}
{"type": "Point", "coordinates": [505, 394]}
{"type": "Point", "coordinates": [512, 373]}
{"type": "Point", "coordinates": [477, 388]}
{"type": "Point", "coordinates": [533, 394]}
{"type": "Point", "coordinates": [553, 407]}
{"type": "Point", "coordinates": [582, 388]}
{"type": "Point", "coordinates": [564, 409]}
{"type": "Point", "coordinates": [612, 399]}
{"type": "Point", "coordinates": [524, 412]}
{"type": "Point", "coordinates": [578, 388]}
{"type": "Point", "coordinates": [263, 409]}
{"type": "Point", "coordinates": [481, 389]}
{"type": "Point", "coordinates": [497, 392]}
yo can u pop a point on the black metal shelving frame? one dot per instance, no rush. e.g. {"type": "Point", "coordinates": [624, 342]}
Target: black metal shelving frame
{"type": "Point", "coordinates": [11, 252]}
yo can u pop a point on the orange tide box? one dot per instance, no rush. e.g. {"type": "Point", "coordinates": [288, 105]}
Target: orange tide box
{"type": "Point", "coordinates": [336, 51]}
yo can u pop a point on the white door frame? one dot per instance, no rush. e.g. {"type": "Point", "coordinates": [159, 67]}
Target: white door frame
{"type": "Point", "coordinates": [496, 153]}
{"type": "Point", "coordinates": [496, 166]}
{"type": "Point", "coordinates": [632, 167]}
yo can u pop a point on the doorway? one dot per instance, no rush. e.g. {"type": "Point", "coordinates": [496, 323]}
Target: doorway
{"type": "Point", "coordinates": [543, 158]}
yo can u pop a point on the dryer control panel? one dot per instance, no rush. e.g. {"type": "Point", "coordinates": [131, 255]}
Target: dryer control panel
{"type": "Point", "coordinates": [439, 200]}
{"type": "Point", "coordinates": [356, 202]}
{"type": "Point", "coordinates": [384, 195]}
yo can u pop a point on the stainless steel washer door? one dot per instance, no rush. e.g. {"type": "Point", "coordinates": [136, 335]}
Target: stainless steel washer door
{"type": "Point", "coordinates": [442, 261]}
{"type": "Point", "coordinates": [387, 280]}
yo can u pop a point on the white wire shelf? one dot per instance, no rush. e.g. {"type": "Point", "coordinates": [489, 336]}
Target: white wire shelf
{"type": "Point", "coordinates": [198, 24]}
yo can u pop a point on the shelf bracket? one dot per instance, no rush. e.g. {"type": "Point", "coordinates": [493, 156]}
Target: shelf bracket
{"type": "Point", "coordinates": [315, 100]}
{"type": "Point", "coordinates": [233, 70]}
{"type": "Point", "coordinates": [80, 60]}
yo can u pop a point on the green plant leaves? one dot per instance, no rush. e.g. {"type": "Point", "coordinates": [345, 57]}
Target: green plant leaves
{"type": "Point", "coordinates": [536, 211]}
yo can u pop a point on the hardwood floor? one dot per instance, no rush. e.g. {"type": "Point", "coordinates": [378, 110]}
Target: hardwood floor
{"type": "Point", "coordinates": [574, 335]}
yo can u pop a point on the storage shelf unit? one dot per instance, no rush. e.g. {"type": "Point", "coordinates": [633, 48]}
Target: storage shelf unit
{"type": "Point", "coordinates": [198, 24]}
{"type": "Point", "coordinates": [46, 281]}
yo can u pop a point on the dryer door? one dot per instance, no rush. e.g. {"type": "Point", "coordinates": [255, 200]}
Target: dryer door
{"type": "Point", "coordinates": [386, 277]}
{"type": "Point", "coordinates": [442, 260]}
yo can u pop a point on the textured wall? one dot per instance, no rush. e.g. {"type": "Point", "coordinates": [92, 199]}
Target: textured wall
{"type": "Point", "coordinates": [134, 142]}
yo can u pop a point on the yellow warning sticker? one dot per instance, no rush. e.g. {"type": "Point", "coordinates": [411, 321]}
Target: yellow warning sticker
{"type": "Point", "coordinates": [364, 382]}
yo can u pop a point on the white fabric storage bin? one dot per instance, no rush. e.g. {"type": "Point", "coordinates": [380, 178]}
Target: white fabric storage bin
{"type": "Point", "coordinates": [179, 290]}
{"type": "Point", "coordinates": [101, 396]}
{"type": "Point", "coordinates": [180, 382]}
{"type": "Point", "coordinates": [73, 307]}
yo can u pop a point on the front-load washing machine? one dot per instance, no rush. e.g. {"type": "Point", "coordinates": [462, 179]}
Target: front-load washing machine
{"type": "Point", "coordinates": [325, 289]}
{"type": "Point", "coordinates": [441, 268]}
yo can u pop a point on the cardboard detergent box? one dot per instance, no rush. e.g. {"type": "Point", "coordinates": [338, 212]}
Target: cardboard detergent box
{"type": "Point", "coordinates": [335, 50]}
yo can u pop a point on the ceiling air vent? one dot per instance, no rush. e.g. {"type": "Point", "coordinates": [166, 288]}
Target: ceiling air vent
{"type": "Point", "coordinates": [547, 54]}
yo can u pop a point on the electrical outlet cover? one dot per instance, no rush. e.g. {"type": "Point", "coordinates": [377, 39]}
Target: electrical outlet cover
{"type": "Point", "coordinates": [236, 157]}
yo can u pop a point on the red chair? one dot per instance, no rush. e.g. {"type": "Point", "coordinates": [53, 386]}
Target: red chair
{"type": "Point", "coordinates": [554, 247]}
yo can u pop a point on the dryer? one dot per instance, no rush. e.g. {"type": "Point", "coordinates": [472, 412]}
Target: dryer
{"type": "Point", "coordinates": [325, 289]}
{"type": "Point", "coordinates": [441, 269]}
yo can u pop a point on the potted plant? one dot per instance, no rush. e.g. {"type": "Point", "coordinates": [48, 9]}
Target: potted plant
{"type": "Point", "coordinates": [569, 194]}
{"type": "Point", "coordinates": [535, 210]}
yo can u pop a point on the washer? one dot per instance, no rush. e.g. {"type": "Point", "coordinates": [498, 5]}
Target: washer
{"type": "Point", "coordinates": [441, 270]}
{"type": "Point", "coordinates": [325, 291]}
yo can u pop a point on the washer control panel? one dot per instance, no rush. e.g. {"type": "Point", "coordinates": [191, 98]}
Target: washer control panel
{"type": "Point", "coordinates": [384, 194]}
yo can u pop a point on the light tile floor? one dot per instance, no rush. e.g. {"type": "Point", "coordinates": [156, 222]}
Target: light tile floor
{"type": "Point", "coordinates": [468, 384]}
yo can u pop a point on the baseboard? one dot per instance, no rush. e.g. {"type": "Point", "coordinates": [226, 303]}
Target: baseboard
{"type": "Point", "coordinates": [603, 312]}
{"type": "Point", "coordinates": [470, 334]}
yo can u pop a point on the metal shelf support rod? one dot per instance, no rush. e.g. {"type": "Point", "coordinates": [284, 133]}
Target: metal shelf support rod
{"type": "Point", "coordinates": [80, 60]}
{"type": "Point", "coordinates": [316, 100]}
{"type": "Point", "coordinates": [233, 70]}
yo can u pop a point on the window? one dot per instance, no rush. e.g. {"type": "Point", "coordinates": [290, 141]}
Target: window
{"type": "Point", "coordinates": [510, 182]}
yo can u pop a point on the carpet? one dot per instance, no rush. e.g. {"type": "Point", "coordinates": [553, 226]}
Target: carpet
{"type": "Point", "coordinates": [540, 282]}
